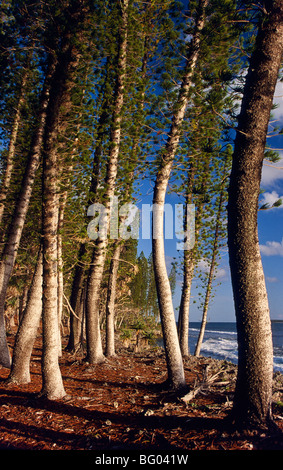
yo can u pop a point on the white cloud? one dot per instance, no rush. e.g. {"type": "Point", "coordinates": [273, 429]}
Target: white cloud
{"type": "Point", "coordinates": [269, 172]}
{"type": "Point", "coordinates": [272, 248]}
{"type": "Point", "coordinates": [272, 279]}
{"type": "Point", "coordinates": [278, 99]}
{"type": "Point", "coordinates": [272, 172]}
{"type": "Point", "coordinates": [204, 266]}
{"type": "Point", "coordinates": [270, 199]}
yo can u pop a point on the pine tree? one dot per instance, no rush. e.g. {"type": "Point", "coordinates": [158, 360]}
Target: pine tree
{"type": "Point", "coordinates": [176, 378]}
{"type": "Point", "coordinates": [205, 128]}
{"type": "Point", "coordinates": [218, 233]}
{"type": "Point", "coordinates": [94, 345]}
{"type": "Point", "coordinates": [59, 105]}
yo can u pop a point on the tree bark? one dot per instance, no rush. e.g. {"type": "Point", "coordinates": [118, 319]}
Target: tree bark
{"type": "Point", "coordinates": [52, 386]}
{"type": "Point", "coordinates": [176, 377]}
{"type": "Point", "coordinates": [252, 401]}
{"type": "Point", "coordinates": [26, 334]}
{"type": "Point", "coordinates": [93, 334]}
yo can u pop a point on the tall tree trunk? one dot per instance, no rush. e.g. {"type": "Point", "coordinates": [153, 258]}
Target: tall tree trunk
{"type": "Point", "coordinates": [52, 384]}
{"type": "Point", "coordinates": [191, 257]}
{"type": "Point", "coordinates": [93, 334]}
{"type": "Point", "coordinates": [16, 227]}
{"type": "Point", "coordinates": [211, 269]}
{"type": "Point", "coordinates": [75, 302]}
{"type": "Point", "coordinates": [176, 377]}
{"type": "Point", "coordinates": [26, 334]}
{"type": "Point", "coordinates": [80, 270]}
{"type": "Point", "coordinates": [60, 300]}
{"type": "Point", "coordinates": [183, 320]}
{"type": "Point", "coordinates": [110, 301]}
{"type": "Point", "coordinates": [252, 401]}
{"type": "Point", "coordinates": [12, 145]}
{"type": "Point", "coordinates": [188, 272]}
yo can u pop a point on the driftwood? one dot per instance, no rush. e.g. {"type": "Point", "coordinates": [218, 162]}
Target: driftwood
{"type": "Point", "coordinates": [202, 386]}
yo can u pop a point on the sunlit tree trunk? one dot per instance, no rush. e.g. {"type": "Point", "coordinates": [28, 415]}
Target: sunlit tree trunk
{"type": "Point", "coordinates": [93, 334]}
{"type": "Point", "coordinates": [188, 273]}
{"type": "Point", "coordinates": [59, 105]}
{"type": "Point", "coordinates": [212, 268]}
{"type": "Point", "coordinates": [252, 401]}
{"type": "Point", "coordinates": [175, 367]}
{"type": "Point", "coordinates": [26, 334]}
{"type": "Point", "coordinates": [183, 321]}
{"type": "Point", "coordinates": [110, 301]}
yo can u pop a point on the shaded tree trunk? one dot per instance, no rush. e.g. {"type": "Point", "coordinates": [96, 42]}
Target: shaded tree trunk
{"type": "Point", "coordinates": [12, 145]}
{"type": "Point", "coordinates": [60, 300]}
{"type": "Point", "coordinates": [252, 401]}
{"type": "Point", "coordinates": [75, 303]}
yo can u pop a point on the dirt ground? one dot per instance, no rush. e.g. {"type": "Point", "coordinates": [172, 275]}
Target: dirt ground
{"type": "Point", "coordinates": [120, 405]}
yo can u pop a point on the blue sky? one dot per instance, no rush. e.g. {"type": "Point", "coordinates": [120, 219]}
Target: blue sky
{"type": "Point", "coordinates": [270, 223]}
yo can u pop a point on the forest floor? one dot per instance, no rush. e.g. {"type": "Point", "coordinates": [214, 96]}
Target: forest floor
{"type": "Point", "coordinates": [120, 405]}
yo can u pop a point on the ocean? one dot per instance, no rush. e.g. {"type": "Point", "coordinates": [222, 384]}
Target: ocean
{"type": "Point", "coordinates": [220, 341]}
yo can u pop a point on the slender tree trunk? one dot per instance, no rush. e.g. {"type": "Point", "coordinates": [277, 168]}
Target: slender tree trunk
{"type": "Point", "coordinates": [190, 259]}
{"type": "Point", "coordinates": [26, 334]}
{"type": "Point", "coordinates": [93, 334]}
{"type": "Point", "coordinates": [110, 301]}
{"type": "Point", "coordinates": [75, 302]}
{"type": "Point", "coordinates": [175, 367]}
{"type": "Point", "coordinates": [16, 227]}
{"type": "Point", "coordinates": [12, 145]}
{"type": "Point", "coordinates": [183, 321]}
{"type": "Point", "coordinates": [211, 272]}
{"type": "Point", "coordinates": [188, 272]}
{"type": "Point", "coordinates": [114, 265]}
{"type": "Point", "coordinates": [252, 401]}
{"type": "Point", "coordinates": [80, 270]}
{"type": "Point", "coordinates": [62, 204]}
